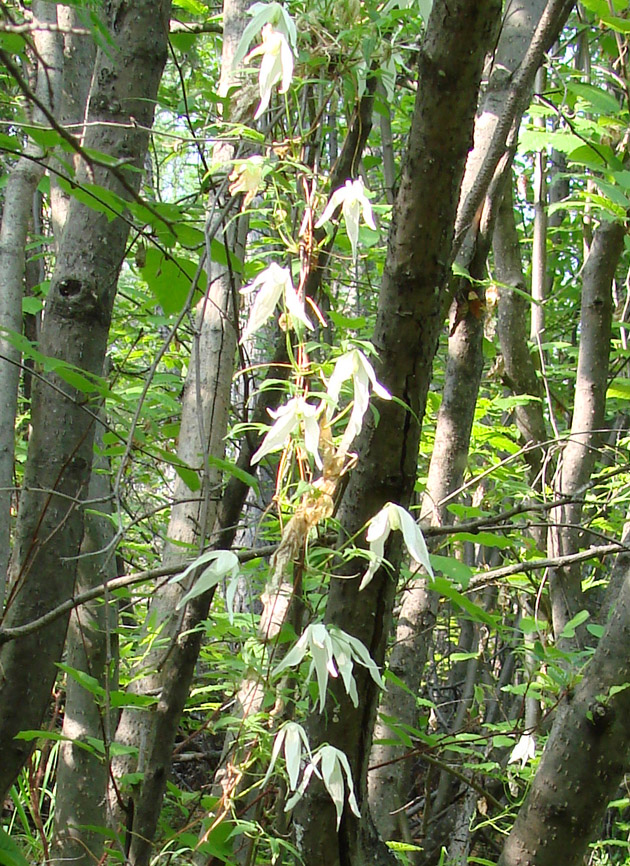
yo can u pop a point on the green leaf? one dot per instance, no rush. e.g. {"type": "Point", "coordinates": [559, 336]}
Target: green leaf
{"type": "Point", "coordinates": [9, 142]}
{"type": "Point", "coordinates": [189, 476]}
{"type": "Point", "coordinates": [118, 699]}
{"type": "Point", "coordinates": [96, 197]}
{"type": "Point", "coordinates": [10, 854]}
{"type": "Point", "coordinates": [12, 43]}
{"type": "Point", "coordinates": [446, 588]}
{"type": "Point", "coordinates": [487, 539]}
{"type": "Point", "coordinates": [195, 7]}
{"type": "Point", "coordinates": [602, 101]}
{"type": "Point", "coordinates": [452, 568]}
{"type": "Point", "coordinates": [533, 140]}
{"type": "Point", "coordinates": [169, 278]}
{"type": "Point", "coordinates": [89, 683]}
{"type": "Point", "coordinates": [569, 630]}
{"type": "Point", "coordinates": [32, 305]}
{"type": "Point", "coordinates": [232, 469]}
{"type": "Point", "coordinates": [619, 388]}
{"type": "Point", "coordinates": [345, 322]}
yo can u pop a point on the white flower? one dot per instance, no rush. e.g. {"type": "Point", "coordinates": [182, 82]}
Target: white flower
{"type": "Point", "coordinates": [332, 652]}
{"type": "Point", "coordinates": [524, 750]}
{"type": "Point", "coordinates": [247, 177]}
{"type": "Point", "coordinates": [294, 414]}
{"type": "Point", "coordinates": [392, 516]}
{"type": "Point", "coordinates": [354, 203]}
{"type": "Point", "coordinates": [354, 365]}
{"type": "Point", "coordinates": [276, 65]}
{"type": "Point", "coordinates": [331, 765]}
{"type": "Point", "coordinates": [293, 737]}
{"type": "Point", "coordinates": [273, 283]}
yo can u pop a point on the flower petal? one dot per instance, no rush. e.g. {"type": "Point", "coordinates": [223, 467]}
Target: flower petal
{"type": "Point", "coordinates": [351, 213]}
{"type": "Point", "coordinates": [377, 534]}
{"type": "Point", "coordinates": [378, 389]}
{"type": "Point", "coordinates": [276, 438]}
{"type": "Point", "coordinates": [295, 306]}
{"type": "Point", "coordinates": [414, 539]}
{"type": "Point", "coordinates": [336, 199]}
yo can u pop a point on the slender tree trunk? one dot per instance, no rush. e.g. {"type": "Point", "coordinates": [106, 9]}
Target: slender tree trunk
{"type": "Point", "coordinates": [519, 368]}
{"type": "Point", "coordinates": [82, 775]}
{"type": "Point", "coordinates": [78, 311]}
{"type": "Point", "coordinates": [205, 416]}
{"type": "Point", "coordinates": [455, 417]}
{"type": "Point", "coordinates": [580, 452]}
{"type": "Point", "coordinates": [408, 322]}
{"type": "Point", "coordinates": [584, 759]}
{"type": "Point", "coordinates": [79, 54]}
{"type": "Point", "coordinates": [16, 218]}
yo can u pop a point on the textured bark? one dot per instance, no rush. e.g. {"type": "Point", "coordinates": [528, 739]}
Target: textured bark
{"type": "Point", "coordinates": [16, 217]}
{"type": "Point", "coordinates": [497, 125]}
{"type": "Point", "coordinates": [408, 321]}
{"type": "Point", "coordinates": [81, 775]}
{"type": "Point", "coordinates": [584, 759]}
{"type": "Point", "coordinates": [79, 53]}
{"type": "Point", "coordinates": [390, 782]}
{"type": "Point", "coordinates": [169, 666]}
{"type": "Point", "coordinates": [580, 452]}
{"type": "Point", "coordinates": [78, 311]}
{"type": "Point", "coordinates": [540, 278]}
{"type": "Point", "coordinates": [519, 369]}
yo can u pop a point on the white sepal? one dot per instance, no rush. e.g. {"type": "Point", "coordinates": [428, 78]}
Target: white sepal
{"type": "Point", "coordinates": [272, 284]}
{"type": "Point", "coordinates": [393, 516]}
{"type": "Point", "coordinates": [354, 365]}
{"type": "Point", "coordinates": [354, 204]}
{"type": "Point", "coordinates": [524, 750]}
{"type": "Point", "coordinates": [288, 418]}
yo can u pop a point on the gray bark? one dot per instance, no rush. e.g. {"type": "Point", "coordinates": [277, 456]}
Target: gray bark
{"type": "Point", "coordinates": [581, 450]}
{"type": "Point", "coordinates": [82, 775]}
{"type": "Point", "coordinates": [79, 53]}
{"type": "Point", "coordinates": [584, 759]}
{"type": "Point", "coordinates": [78, 311]}
{"type": "Point", "coordinates": [408, 322]}
{"type": "Point", "coordinates": [512, 315]}
{"type": "Point", "coordinates": [390, 782]}
{"type": "Point", "coordinates": [205, 416]}
{"type": "Point", "coordinates": [497, 123]}
{"type": "Point", "coordinates": [16, 217]}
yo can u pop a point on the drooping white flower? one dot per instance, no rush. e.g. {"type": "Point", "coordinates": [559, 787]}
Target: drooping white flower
{"type": "Point", "coordinates": [247, 176]}
{"type": "Point", "coordinates": [392, 516]}
{"type": "Point", "coordinates": [288, 418]}
{"type": "Point", "coordinates": [331, 766]}
{"type": "Point", "coordinates": [354, 365]}
{"type": "Point", "coordinates": [354, 204]}
{"type": "Point", "coordinates": [524, 750]}
{"type": "Point", "coordinates": [276, 65]}
{"type": "Point", "coordinates": [272, 284]}
{"type": "Point", "coordinates": [332, 652]}
{"type": "Point", "coordinates": [293, 738]}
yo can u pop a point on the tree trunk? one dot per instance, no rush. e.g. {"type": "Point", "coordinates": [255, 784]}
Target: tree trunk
{"type": "Point", "coordinates": [455, 418]}
{"type": "Point", "coordinates": [16, 217]}
{"type": "Point", "coordinates": [78, 311]}
{"type": "Point", "coordinates": [584, 759]}
{"type": "Point", "coordinates": [519, 369]}
{"type": "Point", "coordinates": [82, 775]}
{"type": "Point", "coordinates": [408, 322]}
{"type": "Point", "coordinates": [205, 416]}
{"type": "Point", "coordinates": [580, 452]}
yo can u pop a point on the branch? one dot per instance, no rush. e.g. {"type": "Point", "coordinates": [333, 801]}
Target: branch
{"type": "Point", "coordinates": [89, 159]}
{"type": "Point", "coordinates": [10, 634]}
{"type": "Point", "coordinates": [486, 577]}
{"type": "Point", "coordinates": [551, 20]}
